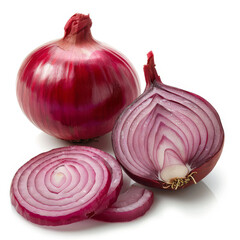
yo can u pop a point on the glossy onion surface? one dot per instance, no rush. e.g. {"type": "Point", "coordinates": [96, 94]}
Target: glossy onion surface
{"type": "Point", "coordinates": [66, 185]}
{"type": "Point", "coordinates": [168, 137]}
{"type": "Point", "coordinates": [75, 88]}
{"type": "Point", "coordinates": [131, 204]}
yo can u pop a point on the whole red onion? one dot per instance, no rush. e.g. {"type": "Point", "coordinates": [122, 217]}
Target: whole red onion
{"type": "Point", "coordinates": [75, 88]}
{"type": "Point", "coordinates": [168, 137]}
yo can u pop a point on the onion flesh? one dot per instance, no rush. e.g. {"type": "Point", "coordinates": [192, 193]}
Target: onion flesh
{"type": "Point", "coordinates": [75, 88]}
{"type": "Point", "coordinates": [65, 185]}
{"type": "Point", "coordinates": [131, 204]}
{"type": "Point", "coordinates": [116, 179]}
{"type": "Point", "coordinates": [168, 137]}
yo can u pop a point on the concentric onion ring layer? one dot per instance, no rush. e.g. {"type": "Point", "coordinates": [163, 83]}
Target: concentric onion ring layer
{"type": "Point", "coordinates": [63, 185]}
{"type": "Point", "coordinates": [166, 126]}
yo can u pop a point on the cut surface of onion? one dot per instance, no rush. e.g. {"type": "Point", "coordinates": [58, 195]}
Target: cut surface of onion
{"type": "Point", "coordinates": [65, 185]}
{"type": "Point", "coordinates": [131, 204]}
{"type": "Point", "coordinates": [116, 179]}
{"type": "Point", "coordinates": [168, 137]}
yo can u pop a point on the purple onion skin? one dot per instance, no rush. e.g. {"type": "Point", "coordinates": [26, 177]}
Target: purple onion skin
{"type": "Point", "coordinates": [75, 88]}
{"type": "Point", "coordinates": [199, 167]}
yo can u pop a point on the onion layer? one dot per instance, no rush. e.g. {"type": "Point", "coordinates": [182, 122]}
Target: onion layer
{"type": "Point", "coordinates": [75, 88]}
{"type": "Point", "coordinates": [168, 137]}
{"type": "Point", "coordinates": [116, 179]}
{"type": "Point", "coordinates": [130, 205]}
{"type": "Point", "coordinates": [65, 185]}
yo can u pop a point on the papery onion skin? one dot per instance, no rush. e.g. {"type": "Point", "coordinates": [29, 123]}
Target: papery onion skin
{"type": "Point", "coordinates": [166, 120]}
{"type": "Point", "coordinates": [75, 88]}
{"type": "Point", "coordinates": [64, 185]}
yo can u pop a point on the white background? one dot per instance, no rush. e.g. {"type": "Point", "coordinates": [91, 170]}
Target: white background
{"type": "Point", "coordinates": [197, 48]}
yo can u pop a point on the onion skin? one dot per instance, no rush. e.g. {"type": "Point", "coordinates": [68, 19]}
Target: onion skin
{"type": "Point", "coordinates": [75, 88]}
{"type": "Point", "coordinates": [167, 138]}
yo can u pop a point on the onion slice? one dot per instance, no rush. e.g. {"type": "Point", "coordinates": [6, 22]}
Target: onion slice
{"type": "Point", "coordinates": [116, 179]}
{"type": "Point", "coordinates": [133, 203]}
{"type": "Point", "coordinates": [65, 185]}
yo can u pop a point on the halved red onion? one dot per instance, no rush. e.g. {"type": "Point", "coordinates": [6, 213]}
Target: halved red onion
{"type": "Point", "coordinates": [133, 203]}
{"type": "Point", "coordinates": [65, 185]}
{"type": "Point", "coordinates": [168, 137]}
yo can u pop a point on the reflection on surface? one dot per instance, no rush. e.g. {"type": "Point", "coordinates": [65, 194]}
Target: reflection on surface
{"type": "Point", "coordinates": [78, 226]}
{"type": "Point", "coordinates": [48, 142]}
{"type": "Point", "coordinates": [194, 200]}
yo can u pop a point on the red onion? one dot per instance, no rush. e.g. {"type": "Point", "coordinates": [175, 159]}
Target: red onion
{"type": "Point", "coordinates": [168, 137]}
{"type": "Point", "coordinates": [130, 205]}
{"type": "Point", "coordinates": [116, 178]}
{"type": "Point", "coordinates": [66, 185]}
{"type": "Point", "coordinates": [75, 88]}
